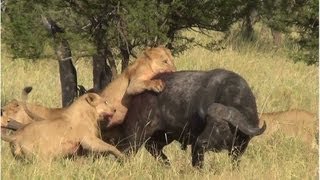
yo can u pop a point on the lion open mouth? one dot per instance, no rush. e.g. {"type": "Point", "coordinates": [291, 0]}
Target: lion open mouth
{"type": "Point", "coordinates": [107, 116]}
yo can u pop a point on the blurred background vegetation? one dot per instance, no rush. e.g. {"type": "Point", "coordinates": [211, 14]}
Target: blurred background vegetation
{"type": "Point", "coordinates": [232, 34]}
{"type": "Point", "coordinates": [116, 29]}
{"type": "Point", "coordinates": [273, 44]}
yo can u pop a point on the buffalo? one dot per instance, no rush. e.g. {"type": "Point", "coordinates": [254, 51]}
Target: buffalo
{"type": "Point", "coordinates": [209, 110]}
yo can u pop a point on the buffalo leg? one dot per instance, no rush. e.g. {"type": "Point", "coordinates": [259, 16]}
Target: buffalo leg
{"type": "Point", "coordinates": [218, 135]}
{"type": "Point", "coordinates": [155, 146]}
{"type": "Point", "coordinates": [238, 147]}
{"type": "Point", "coordinates": [238, 141]}
{"type": "Point", "coordinates": [155, 149]}
{"type": "Point", "coordinates": [205, 140]}
{"type": "Point", "coordinates": [197, 152]}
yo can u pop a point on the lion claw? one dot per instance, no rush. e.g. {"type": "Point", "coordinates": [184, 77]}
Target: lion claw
{"type": "Point", "coordinates": [158, 86]}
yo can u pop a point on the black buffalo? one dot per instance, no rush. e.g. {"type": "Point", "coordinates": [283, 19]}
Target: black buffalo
{"type": "Point", "coordinates": [211, 110]}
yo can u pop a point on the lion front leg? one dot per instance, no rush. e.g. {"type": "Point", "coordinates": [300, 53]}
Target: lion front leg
{"type": "Point", "coordinates": [137, 86]}
{"type": "Point", "coordinates": [95, 144]}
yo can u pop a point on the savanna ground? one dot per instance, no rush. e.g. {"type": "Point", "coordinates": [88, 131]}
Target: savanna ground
{"type": "Point", "coordinates": [277, 82]}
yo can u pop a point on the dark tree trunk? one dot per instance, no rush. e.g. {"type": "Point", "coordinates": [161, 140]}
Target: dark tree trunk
{"type": "Point", "coordinates": [102, 74]}
{"type": "Point", "coordinates": [125, 57]}
{"type": "Point", "coordinates": [112, 62]}
{"type": "Point", "coordinates": [251, 17]}
{"type": "Point", "coordinates": [125, 47]}
{"type": "Point", "coordinates": [277, 37]}
{"type": "Point", "coordinates": [170, 35]}
{"type": "Point", "coordinates": [248, 29]}
{"type": "Point", "coordinates": [68, 73]}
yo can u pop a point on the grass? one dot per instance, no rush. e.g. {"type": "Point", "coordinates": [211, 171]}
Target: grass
{"type": "Point", "coordinates": [278, 84]}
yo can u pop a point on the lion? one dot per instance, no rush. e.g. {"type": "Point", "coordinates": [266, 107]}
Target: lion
{"type": "Point", "coordinates": [62, 136]}
{"type": "Point", "coordinates": [293, 123]}
{"type": "Point", "coordinates": [15, 110]}
{"type": "Point", "coordinates": [135, 79]}
{"type": "Point", "coordinates": [138, 78]}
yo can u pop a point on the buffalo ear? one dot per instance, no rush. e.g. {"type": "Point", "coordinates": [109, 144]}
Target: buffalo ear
{"type": "Point", "coordinates": [92, 99]}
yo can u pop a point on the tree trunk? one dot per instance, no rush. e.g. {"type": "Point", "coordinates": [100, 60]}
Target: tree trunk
{"type": "Point", "coordinates": [170, 35]}
{"type": "Point", "coordinates": [125, 57]}
{"type": "Point", "coordinates": [277, 38]}
{"type": "Point", "coordinates": [112, 62]}
{"type": "Point", "coordinates": [101, 72]}
{"type": "Point", "coordinates": [125, 47]}
{"type": "Point", "coordinates": [247, 29]}
{"type": "Point", "coordinates": [250, 19]}
{"type": "Point", "coordinates": [68, 73]}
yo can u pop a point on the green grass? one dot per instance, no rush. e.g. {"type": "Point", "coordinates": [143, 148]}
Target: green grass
{"type": "Point", "coordinates": [278, 84]}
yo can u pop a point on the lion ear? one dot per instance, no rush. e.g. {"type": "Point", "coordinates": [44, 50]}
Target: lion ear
{"type": "Point", "coordinates": [147, 53]}
{"type": "Point", "coordinates": [15, 103]}
{"type": "Point", "coordinates": [92, 99]}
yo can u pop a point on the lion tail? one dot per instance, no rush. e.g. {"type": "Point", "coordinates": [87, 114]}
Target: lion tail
{"type": "Point", "coordinates": [24, 97]}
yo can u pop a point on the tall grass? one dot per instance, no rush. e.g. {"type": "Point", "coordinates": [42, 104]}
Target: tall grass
{"type": "Point", "coordinates": [278, 84]}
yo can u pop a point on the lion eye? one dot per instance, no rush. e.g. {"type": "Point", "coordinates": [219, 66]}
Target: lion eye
{"type": "Point", "coordinates": [165, 61]}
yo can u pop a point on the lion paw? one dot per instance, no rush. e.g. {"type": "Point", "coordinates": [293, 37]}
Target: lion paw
{"type": "Point", "coordinates": [157, 85]}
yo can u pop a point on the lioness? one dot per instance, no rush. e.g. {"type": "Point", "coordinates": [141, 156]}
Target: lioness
{"type": "Point", "coordinates": [14, 110]}
{"type": "Point", "coordinates": [294, 123]}
{"type": "Point", "coordinates": [134, 80]}
{"type": "Point", "coordinates": [137, 78]}
{"type": "Point", "coordinates": [62, 136]}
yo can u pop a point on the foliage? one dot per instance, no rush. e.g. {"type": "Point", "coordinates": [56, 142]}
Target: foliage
{"type": "Point", "coordinates": [296, 16]}
{"type": "Point", "coordinates": [200, 16]}
{"type": "Point", "coordinates": [21, 32]}
{"type": "Point", "coordinates": [307, 24]}
{"type": "Point", "coordinates": [127, 25]}
{"type": "Point", "coordinates": [133, 23]}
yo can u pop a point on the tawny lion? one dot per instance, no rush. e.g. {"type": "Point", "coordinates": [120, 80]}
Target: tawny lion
{"type": "Point", "coordinates": [134, 80]}
{"type": "Point", "coordinates": [56, 137]}
{"type": "Point", "coordinates": [293, 123]}
{"type": "Point", "coordinates": [15, 110]}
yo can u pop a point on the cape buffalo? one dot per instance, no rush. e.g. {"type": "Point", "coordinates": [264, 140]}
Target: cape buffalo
{"type": "Point", "coordinates": [211, 110]}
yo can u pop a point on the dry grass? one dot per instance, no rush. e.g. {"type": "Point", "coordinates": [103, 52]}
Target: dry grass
{"type": "Point", "coordinates": [278, 84]}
